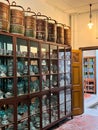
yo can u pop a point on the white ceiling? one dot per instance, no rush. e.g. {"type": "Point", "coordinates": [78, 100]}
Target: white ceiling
{"type": "Point", "coordinates": [73, 6]}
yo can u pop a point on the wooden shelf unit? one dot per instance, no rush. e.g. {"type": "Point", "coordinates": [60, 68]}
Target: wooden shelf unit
{"type": "Point", "coordinates": [89, 64]}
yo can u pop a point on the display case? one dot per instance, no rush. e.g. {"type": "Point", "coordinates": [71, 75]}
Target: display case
{"type": "Point", "coordinates": [35, 83]}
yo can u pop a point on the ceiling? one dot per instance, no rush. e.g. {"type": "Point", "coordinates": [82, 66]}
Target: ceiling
{"type": "Point", "coordinates": [73, 6]}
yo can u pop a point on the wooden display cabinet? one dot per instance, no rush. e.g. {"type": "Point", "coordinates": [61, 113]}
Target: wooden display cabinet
{"type": "Point", "coordinates": [35, 83]}
{"type": "Point", "coordinates": [89, 74]}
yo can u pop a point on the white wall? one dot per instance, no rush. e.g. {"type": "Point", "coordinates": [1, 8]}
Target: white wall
{"type": "Point", "coordinates": [89, 53]}
{"type": "Point", "coordinates": [82, 36]}
{"type": "Point", "coordinates": [41, 6]}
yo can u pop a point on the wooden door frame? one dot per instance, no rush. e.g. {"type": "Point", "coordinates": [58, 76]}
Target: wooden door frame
{"type": "Point", "coordinates": [87, 49]}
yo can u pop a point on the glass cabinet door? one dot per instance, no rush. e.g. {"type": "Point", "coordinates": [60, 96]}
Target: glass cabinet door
{"type": "Point", "coordinates": [53, 52]}
{"type": "Point", "coordinates": [45, 66]}
{"type": "Point", "coordinates": [35, 114]}
{"type": "Point", "coordinates": [54, 81]}
{"type": "Point", "coordinates": [61, 52]}
{"type": "Point", "coordinates": [44, 51]}
{"type": "Point", "coordinates": [34, 84]}
{"type": "Point", "coordinates": [62, 103]}
{"type": "Point", "coordinates": [22, 115]}
{"type": "Point", "coordinates": [45, 59]}
{"type": "Point", "coordinates": [68, 67]}
{"type": "Point", "coordinates": [62, 80]}
{"type": "Point", "coordinates": [22, 57]}
{"type": "Point", "coordinates": [53, 59]}
{"type": "Point", "coordinates": [45, 110]}
{"type": "Point", "coordinates": [7, 117]}
{"type": "Point", "coordinates": [61, 60]}
{"type": "Point", "coordinates": [34, 67]}
{"type": "Point", "coordinates": [6, 67]}
{"type": "Point", "coordinates": [54, 107]}
{"type": "Point", "coordinates": [45, 82]}
{"type": "Point", "coordinates": [22, 66]}
{"type": "Point", "coordinates": [68, 101]}
{"type": "Point", "coordinates": [34, 58]}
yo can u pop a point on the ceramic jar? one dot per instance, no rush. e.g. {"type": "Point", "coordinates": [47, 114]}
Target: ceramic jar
{"type": "Point", "coordinates": [30, 23]}
{"type": "Point", "coordinates": [4, 15]}
{"type": "Point", "coordinates": [41, 26]}
{"type": "Point", "coordinates": [51, 31]}
{"type": "Point", "coordinates": [16, 19]}
{"type": "Point", "coordinates": [60, 33]}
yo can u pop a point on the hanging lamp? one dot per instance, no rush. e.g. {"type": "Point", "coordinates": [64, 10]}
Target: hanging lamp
{"type": "Point", "coordinates": [90, 24]}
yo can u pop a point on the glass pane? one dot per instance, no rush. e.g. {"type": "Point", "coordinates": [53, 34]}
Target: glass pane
{"type": "Point", "coordinates": [45, 110]}
{"type": "Point", "coordinates": [23, 125]}
{"type": "Point", "coordinates": [34, 49]}
{"type": "Point", "coordinates": [6, 45]}
{"type": "Point", "coordinates": [68, 78]}
{"type": "Point", "coordinates": [53, 52]}
{"type": "Point", "coordinates": [68, 107]}
{"type": "Point", "coordinates": [53, 66]}
{"type": "Point", "coordinates": [45, 66]}
{"type": "Point", "coordinates": [22, 67]}
{"type": "Point", "coordinates": [22, 86]}
{"type": "Point", "coordinates": [35, 114]}
{"type": "Point", "coordinates": [6, 88]}
{"type": "Point", "coordinates": [61, 52]}
{"type": "Point", "coordinates": [54, 107]}
{"type": "Point", "coordinates": [62, 103]}
{"type": "Point", "coordinates": [34, 106]}
{"type": "Point", "coordinates": [44, 51]}
{"type": "Point", "coordinates": [62, 80]}
{"type": "Point", "coordinates": [21, 48]}
{"type": "Point", "coordinates": [6, 67]}
{"type": "Point", "coordinates": [53, 81]}
{"type": "Point", "coordinates": [35, 122]}
{"type": "Point", "coordinates": [22, 111]}
{"type": "Point", "coordinates": [34, 84]}
{"type": "Point", "coordinates": [61, 66]}
{"type": "Point", "coordinates": [68, 94]}
{"type": "Point", "coordinates": [68, 55]}
{"type": "Point", "coordinates": [34, 67]}
{"type": "Point", "coordinates": [68, 67]}
{"type": "Point", "coordinates": [45, 82]}
{"type": "Point", "coordinates": [7, 116]}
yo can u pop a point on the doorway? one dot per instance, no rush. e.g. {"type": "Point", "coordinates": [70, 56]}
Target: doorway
{"type": "Point", "coordinates": [90, 83]}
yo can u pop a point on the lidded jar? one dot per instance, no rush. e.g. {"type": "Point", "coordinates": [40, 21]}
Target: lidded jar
{"type": "Point", "coordinates": [60, 33]}
{"type": "Point", "coordinates": [16, 19]}
{"type": "Point", "coordinates": [4, 15]}
{"type": "Point", "coordinates": [30, 23]}
{"type": "Point", "coordinates": [51, 31]}
{"type": "Point", "coordinates": [67, 35]}
{"type": "Point", "coordinates": [41, 26]}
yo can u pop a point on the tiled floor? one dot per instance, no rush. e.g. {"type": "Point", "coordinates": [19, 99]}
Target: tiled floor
{"type": "Point", "coordinates": [86, 121]}
{"type": "Point", "coordinates": [88, 103]}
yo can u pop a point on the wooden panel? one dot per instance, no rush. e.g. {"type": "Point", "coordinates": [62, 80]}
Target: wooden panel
{"type": "Point", "coordinates": [77, 89]}
{"type": "Point", "coordinates": [76, 79]}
